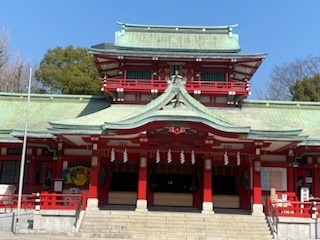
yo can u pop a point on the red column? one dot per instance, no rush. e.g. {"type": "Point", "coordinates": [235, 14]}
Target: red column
{"type": "Point", "coordinates": [257, 207]}
{"type": "Point", "coordinates": [94, 177]}
{"type": "Point", "coordinates": [58, 163]}
{"type": "Point", "coordinates": [290, 174]}
{"type": "Point", "coordinates": [93, 201]}
{"type": "Point", "coordinates": [58, 168]}
{"type": "Point", "coordinates": [257, 193]}
{"type": "Point", "coordinates": [316, 185]}
{"type": "Point", "coordinates": [207, 205]}
{"type": "Point", "coordinates": [207, 181]}
{"type": "Point", "coordinates": [290, 179]}
{"type": "Point", "coordinates": [32, 167]}
{"type": "Point", "coordinates": [295, 176]}
{"type": "Point", "coordinates": [142, 184]}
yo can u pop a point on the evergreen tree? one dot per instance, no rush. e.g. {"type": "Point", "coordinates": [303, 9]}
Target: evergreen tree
{"type": "Point", "coordinates": [307, 89]}
{"type": "Point", "coordinates": [69, 71]}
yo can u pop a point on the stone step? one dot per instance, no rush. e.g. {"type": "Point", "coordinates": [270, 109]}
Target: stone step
{"type": "Point", "coordinates": [188, 227]}
{"type": "Point", "coordinates": [168, 225]}
{"type": "Point", "coordinates": [169, 229]}
{"type": "Point", "coordinates": [91, 225]}
{"type": "Point", "coordinates": [138, 236]}
{"type": "Point", "coordinates": [173, 224]}
{"type": "Point", "coordinates": [177, 227]}
{"type": "Point", "coordinates": [201, 217]}
{"type": "Point", "coordinates": [172, 219]}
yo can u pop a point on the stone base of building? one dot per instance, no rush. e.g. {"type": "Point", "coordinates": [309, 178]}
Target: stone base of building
{"type": "Point", "coordinates": [142, 205]}
{"type": "Point", "coordinates": [207, 207]}
{"type": "Point", "coordinates": [92, 204]}
{"type": "Point", "coordinates": [257, 209]}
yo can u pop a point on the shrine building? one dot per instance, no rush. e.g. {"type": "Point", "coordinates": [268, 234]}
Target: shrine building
{"type": "Point", "coordinates": [174, 128]}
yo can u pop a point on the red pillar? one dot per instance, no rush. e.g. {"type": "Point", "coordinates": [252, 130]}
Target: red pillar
{"type": "Point", "coordinates": [142, 185]}
{"type": "Point", "coordinates": [290, 179]}
{"type": "Point", "coordinates": [32, 167]}
{"type": "Point", "coordinates": [290, 174]}
{"type": "Point", "coordinates": [295, 175]}
{"type": "Point", "coordinates": [257, 193]}
{"type": "Point", "coordinates": [58, 168]}
{"type": "Point", "coordinates": [94, 177]}
{"type": "Point", "coordinates": [58, 163]}
{"type": "Point", "coordinates": [316, 185]}
{"type": "Point", "coordinates": [207, 205]}
{"type": "Point", "coordinates": [93, 201]}
{"type": "Point", "coordinates": [207, 181]}
{"type": "Point", "coordinates": [257, 207]}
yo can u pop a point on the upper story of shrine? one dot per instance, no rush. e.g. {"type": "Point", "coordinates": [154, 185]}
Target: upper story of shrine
{"type": "Point", "coordinates": [144, 58]}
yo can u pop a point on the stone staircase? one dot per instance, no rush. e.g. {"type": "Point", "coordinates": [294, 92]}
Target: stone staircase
{"type": "Point", "coordinates": [110, 224]}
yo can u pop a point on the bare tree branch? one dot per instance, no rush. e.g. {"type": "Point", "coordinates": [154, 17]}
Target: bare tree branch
{"type": "Point", "coordinates": [14, 71]}
{"type": "Point", "coordinates": [285, 76]}
{"type": "Point", "coordinates": [4, 46]}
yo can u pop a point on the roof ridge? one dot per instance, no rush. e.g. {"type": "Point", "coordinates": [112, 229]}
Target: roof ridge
{"type": "Point", "coordinates": [229, 27]}
{"type": "Point", "coordinates": [274, 103]}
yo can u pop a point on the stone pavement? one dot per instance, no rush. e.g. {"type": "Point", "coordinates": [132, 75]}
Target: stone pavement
{"type": "Point", "coordinates": [24, 236]}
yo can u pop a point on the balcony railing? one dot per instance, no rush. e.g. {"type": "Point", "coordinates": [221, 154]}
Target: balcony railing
{"type": "Point", "coordinates": [279, 208]}
{"type": "Point", "coordinates": [145, 85]}
{"type": "Point", "coordinates": [44, 200]}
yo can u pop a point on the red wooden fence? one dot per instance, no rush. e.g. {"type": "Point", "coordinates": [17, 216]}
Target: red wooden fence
{"type": "Point", "coordinates": [292, 208]}
{"type": "Point", "coordinates": [161, 85]}
{"type": "Point", "coordinates": [45, 201]}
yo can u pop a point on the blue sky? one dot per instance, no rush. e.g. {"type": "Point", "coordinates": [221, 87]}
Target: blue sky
{"type": "Point", "coordinates": [286, 30]}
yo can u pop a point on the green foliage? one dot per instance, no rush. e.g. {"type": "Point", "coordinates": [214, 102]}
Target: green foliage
{"type": "Point", "coordinates": [69, 71]}
{"type": "Point", "coordinates": [307, 89]}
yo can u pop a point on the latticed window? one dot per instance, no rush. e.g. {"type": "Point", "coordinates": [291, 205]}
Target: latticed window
{"type": "Point", "coordinates": [10, 172]}
{"type": "Point", "coordinates": [14, 151]}
{"type": "Point", "coordinates": [76, 164]}
{"type": "Point", "coordinates": [212, 76]}
{"type": "Point", "coordinates": [138, 74]}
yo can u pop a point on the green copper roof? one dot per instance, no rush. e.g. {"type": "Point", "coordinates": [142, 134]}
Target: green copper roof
{"type": "Point", "coordinates": [173, 105]}
{"type": "Point", "coordinates": [298, 121]}
{"type": "Point", "coordinates": [43, 109]}
{"type": "Point", "coordinates": [274, 116]}
{"type": "Point", "coordinates": [176, 43]}
{"type": "Point", "coordinates": [141, 27]}
{"type": "Point", "coordinates": [208, 38]}
{"type": "Point", "coordinates": [165, 53]}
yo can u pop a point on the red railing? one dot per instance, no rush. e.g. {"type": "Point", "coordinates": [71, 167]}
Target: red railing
{"type": "Point", "coordinates": [45, 201]}
{"type": "Point", "coordinates": [112, 84]}
{"type": "Point", "coordinates": [280, 208]}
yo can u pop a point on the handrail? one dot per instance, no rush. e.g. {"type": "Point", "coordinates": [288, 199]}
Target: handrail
{"type": "Point", "coordinates": [161, 85]}
{"type": "Point", "coordinates": [271, 216]}
{"type": "Point", "coordinates": [280, 208]}
{"type": "Point", "coordinates": [276, 208]}
{"type": "Point", "coordinates": [44, 200]}
{"type": "Point", "coordinates": [79, 208]}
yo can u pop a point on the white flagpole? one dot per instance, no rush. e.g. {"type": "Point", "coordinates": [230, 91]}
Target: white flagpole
{"type": "Point", "coordinates": [23, 155]}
